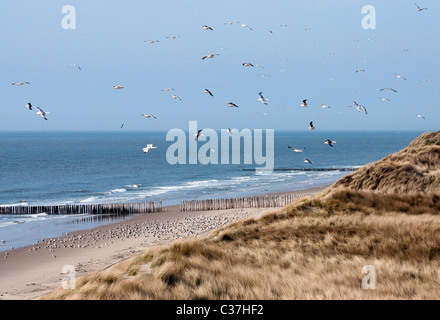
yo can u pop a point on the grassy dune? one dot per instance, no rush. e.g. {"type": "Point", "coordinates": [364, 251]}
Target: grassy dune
{"type": "Point", "coordinates": [385, 215]}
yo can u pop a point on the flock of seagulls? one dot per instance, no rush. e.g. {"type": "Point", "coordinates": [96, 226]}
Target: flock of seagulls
{"type": "Point", "coordinates": [360, 108]}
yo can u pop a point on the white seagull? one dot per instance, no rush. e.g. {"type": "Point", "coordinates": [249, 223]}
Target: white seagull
{"type": "Point", "coordinates": [361, 108]}
{"type": "Point", "coordinates": [42, 113]}
{"type": "Point", "coordinates": [384, 99]}
{"type": "Point", "coordinates": [151, 41]}
{"type": "Point", "coordinates": [175, 97]}
{"type": "Point", "coordinates": [232, 105]}
{"type": "Point", "coordinates": [209, 92]}
{"type": "Point", "coordinates": [246, 26]}
{"type": "Point", "coordinates": [207, 28]}
{"type": "Point", "coordinates": [400, 77]}
{"type": "Point", "coordinates": [420, 9]}
{"type": "Point", "coordinates": [20, 83]}
{"type": "Point", "coordinates": [262, 99]}
{"type": "Point", "coordinates": [247, 64]}
{"type": "Point", "coordinates": [118, 87]}
{"type": "Point", "coordinates": [76, 66]}
{"type": "Point", "coordinates": [304, 104]}
{"type": "Point", "coordinates": [167, 90]}
{"type": "Point", "coordinates": [308, 161]}
{"type": "Point", "coordinates": [388, 89]}
{"type": "Point", "coordinates": [148, 116]}
{"type": "Point", "coordinates": [210, 56]}
{"type": "Point", "coordinates": [198, 134]}
{"type": "Point", "coordinates": [148, 148]}
{"type": "Point", "coordinates": [29, 106]}
{"type": "Point", "coordinates": [329, 142]}
{"type": "Point", "coordinates": [421, 117]}
{"type": "Point", "coordinates": [325, 106]}
{"type": "Point", "coordinates": [296, 149]}
{"type": "Point", "coordinates": [311, 127]}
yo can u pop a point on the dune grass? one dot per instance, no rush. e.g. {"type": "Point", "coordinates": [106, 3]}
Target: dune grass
{"type": "Point", "coordinates": [386, 215]}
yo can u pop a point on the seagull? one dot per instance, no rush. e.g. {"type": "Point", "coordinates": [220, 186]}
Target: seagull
{"type": "Point", "coordinates": [247, 64]}
{"type": "Point", "coordinates": [118, 87]}
{"type": "Point", "coordinates": [198, 134]}
{"type": "Point", "coordinates": [232, 22]}
{"type": "Point", "coordinates": [360, 70]}
{"type": "Point", "coordinates": [148, 148]}
{"type": "Point", "coordinates": [304, 104]}
{"type": "Point", "coordinates": [209, 92]}
{"type": "Point", "coordinates": [207, 28]}
{"type": "Point", "coordinates": [122, 125]}
{"type": "Point", "coordinates": [361, 108]}
{"type": "Point", "coordinates": [173, 37]}
{"type": "Point", "coordinates": [384, 99]}
{"type": "Point", "coordinates": [296, 150]}
{"type": "Point", "coordinates": [42, 113]}
{"type": "Point", "coordinates": [77, 66]}
{"type": "Point", "coordinates": [308, 161]}
{"type": "Point", "coordinates": [308, 29]}
{"type": "Point", "coordinates": [325, 106]}
{"type": "Point", "coordinates": [29, 106]}
{"type": "Point", "coordinates": [230, 130]}
{"type": "Point", "coordinates": [20, 83]}
{"type": "Point", "coordinates": [232, 105]}
{"type": "Point", "coordinates": [421, 117]}
{"type": "Point", "coordinates": [167, 90]}
{"type": "Point", "coordinates": [262, 99]}
{"type": "Point", "coordinates": [175, 97]}
{"type": "Point", "coordinates": [311, 127]}
{"type": "Point", "coordinates": [211, 56]}
{"type": "Point", "coordinates": [388, 89]}
{"type": "Point", "coordinates": [151, 41]}
{"type": "Point", "coordinates": [420, 9]}
{"type": "Point", "coordinates": [401, 77]}
{"type": "Point", "coordinates": [246, 26]}
{"type": "Point", "coordinates": [329, 142]}
{"type": "Point", "coordinates": [148, 116]}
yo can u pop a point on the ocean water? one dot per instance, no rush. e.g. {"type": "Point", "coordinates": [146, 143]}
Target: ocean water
{"type": "Point", "coordinates": [106, 167]}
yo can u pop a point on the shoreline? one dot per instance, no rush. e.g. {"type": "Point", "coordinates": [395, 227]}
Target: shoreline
{"type": "Point", "coordinates": [34, 270]}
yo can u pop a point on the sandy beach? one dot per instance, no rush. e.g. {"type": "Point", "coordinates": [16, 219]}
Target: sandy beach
{"type": "Point", "coordinates": [30, 272]}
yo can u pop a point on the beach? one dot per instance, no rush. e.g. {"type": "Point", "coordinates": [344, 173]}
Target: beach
{"type": "Point", "coordinates": [32, 271]}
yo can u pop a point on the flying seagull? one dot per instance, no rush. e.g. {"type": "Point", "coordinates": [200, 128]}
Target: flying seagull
{"type": "Point", "coordinates": [388, 89]}
{"type": "Point", "coordinates": [118, 87]}
{"type": "Point", "coordinates": [232, 105]}
{"type": "Point", "coordinates": [175, 97]}
{"type": "Point", "coordinates": [198, 134]}
{"type": "Point", "coordinates": [42, 113]}
{"type": "Point", "coordinates": [421, 117]}
{"type": "Point", "coordinates": [29, 106]}
{"type": "Point", "coordinates": [420, 9]}
{"type": "Point", "coordinates": [209, 92]}
{"type": "Point", "coordinates": [148, 148]}
{"type": "Point", "coordinates": [311, 127]}
{"type": "Point", "coordinates": [151, 41]}
{"type": "Point", "coordinates": [246, 26]}
{"type": "Point", "coordinates": [247, 64]}
{"type": "Point", "coordinates": [296, 149]}
{"type": "Point", "coordinates": [207, 28]}
{"type": "Point", "coordinates": [167, 90]}
{"type": "Point", "coordinates": [400, 77]}
{"type": "Point", "coordinates": [173, 37]}
{"type": "Point", "coordinates": [329, 142]}
{"type": "Point", "coordinates": [148, 116]}
{"type": "Point", "coordinates": [20, 83]}
{"type": "Point", "coordinates": [325, 106]}
{"type": "Point", "coordinates": [76, 66]}
{"type": "Point", "coordinates": [308, 161]}
{"type": "Point", "coordinates": [230, 130]}
{"type": "Point", "coordinates": [304, 104]}
{"type": "Point", "coordinates": [360, 70]}
{"type": "Point", "coordinates": [210, 56]}
{"type": "Point", "coordinates": [361, 108]}
{"type": "Point", "coordinates": [122, 125]}
{"type": "Point", "coordinates": [261, 98]}
{"type": "Point", "coordinates": [384, 99]}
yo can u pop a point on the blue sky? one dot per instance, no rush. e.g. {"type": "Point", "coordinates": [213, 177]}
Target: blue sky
{"type": "Point", "coordinates": [108, 44]}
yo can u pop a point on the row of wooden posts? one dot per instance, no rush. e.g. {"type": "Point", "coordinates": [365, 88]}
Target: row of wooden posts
{"type": "Point", "coordinates": [268, 201]}
{"type": "Point", "coordinates": [114, 208]}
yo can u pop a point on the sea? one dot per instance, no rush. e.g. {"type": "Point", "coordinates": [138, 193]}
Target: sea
{"type": "Point", "coordinates": [53, 168]}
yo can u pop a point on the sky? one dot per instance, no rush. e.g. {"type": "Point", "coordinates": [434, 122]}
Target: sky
{"type": "Point", "coordinates": [291, 64]}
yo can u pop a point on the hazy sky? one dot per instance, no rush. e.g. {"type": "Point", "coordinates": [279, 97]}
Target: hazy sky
{"type": "Point", "coordinates": [108, 44]}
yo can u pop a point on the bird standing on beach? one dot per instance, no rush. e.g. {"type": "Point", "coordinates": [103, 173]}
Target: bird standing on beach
{"type": "Point", "coordinates": [42, 113]}
{"type": "Point", "coordinates": [148, 148]}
